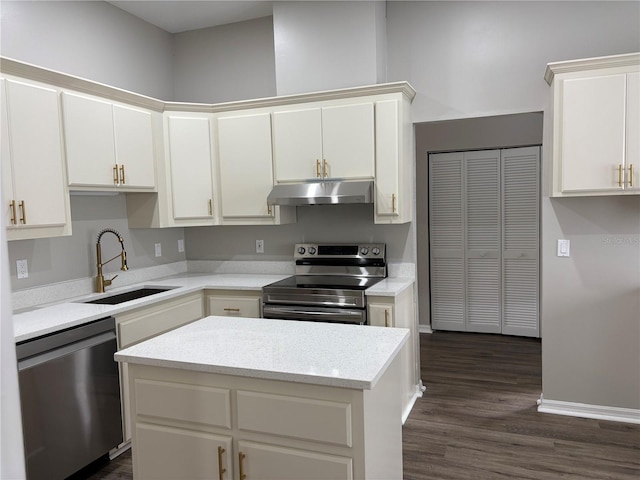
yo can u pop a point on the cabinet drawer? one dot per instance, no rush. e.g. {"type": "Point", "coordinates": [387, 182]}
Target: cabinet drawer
{"type": "Point", "coordinates": [234, 306]}
{"type": "Point", "coordinates": [135, 327]}
{"type": "Point", "coordinates": [270, 461]}
{"type": "Point", "coordinates": [304, 418]}
{"type": "Point", "coordinates": [187, 403]}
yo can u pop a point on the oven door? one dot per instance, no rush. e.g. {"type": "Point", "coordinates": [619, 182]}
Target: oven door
{"type": "Point", "coordinates": [315, 314]}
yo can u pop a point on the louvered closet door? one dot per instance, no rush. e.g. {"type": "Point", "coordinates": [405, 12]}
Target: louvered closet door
{"type": "Point", "coordinates": [446, 230]}
{"type": "Point", "coordinates": [483, 246]}
{"type": "Point", "coordinates": [520, 173]}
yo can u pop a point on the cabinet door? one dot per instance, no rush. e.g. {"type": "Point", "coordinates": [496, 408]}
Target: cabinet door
{"type": "Point", "coordinates": [234, 306]}
{"type": "Point", "coordinates": [35, 151]}
{"type": "Point", "coordinates": [632, 159]}
{"type": "Point", "coordinates": [446, 230]}
{"type": "Point", "coordinates": [592, 133]}
{"type": "Point", "coordinates": [381, 315]}
{"type": "Point", "coordinates": [134, 147]}
{"type": "Point", "coordinates": [348, 141]}
{"type": "Point", "coordinates": [191, 168]}
{"type": "Point", "coordinates": [297, 145]}
{"type": "Point", "coordinates": [260, 461]}
{"type": "Point", "coordinates": [89, 141]}
{"type": "Point", "coordinates": [246, 168]}
{"type": "Point", "coordinates": [483, 251]}
{"type": "Point", "coordinates": [171, 453]}
{"type": "Point", "coordinates": [387, 158]}
{"type": "Point", "coordinates": [5, 158]}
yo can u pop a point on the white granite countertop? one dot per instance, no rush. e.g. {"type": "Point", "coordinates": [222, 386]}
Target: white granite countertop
{"type": "Point", "coordinates": [50, 318]}
{"type": "Point", "coordinates": [340, 355]}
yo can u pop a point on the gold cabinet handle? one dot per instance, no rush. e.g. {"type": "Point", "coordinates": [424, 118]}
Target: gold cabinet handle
{"type": "Point", "coordinates": [386, 317]}
{"type": "Point", "coordinates": [23, 213]}
{"type": "Point", "coordinates": [232, 310]}
{"type": "Point", "coordinates": [220, 469]}
{"type": "Point", "coordinates": [122, 174]}
{"type": "Point", "coordinates": [116, 179]}
{"type": "Point", "coordinates": [14, 216]}
{"type": "Point", "coordinates": [324, 168]}
{"type": "Point", "coordinates": [241, 457]}
{"type": "Point", "coordinates": [269, 209]}
{"type": "Point", "coordinates": [317, 168]}
{"type": "Point", "coordinates": [393, 202]}
{"type": "Point", "coordinates": [620, 175]}
{"type": "Point", "coordinates": [210, 207]}
{"type": "Point", "coordinates": [631, 175]}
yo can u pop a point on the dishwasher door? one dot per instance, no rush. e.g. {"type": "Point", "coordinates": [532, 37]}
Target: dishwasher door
{"type": "Point", "coordinates": [70, 399]}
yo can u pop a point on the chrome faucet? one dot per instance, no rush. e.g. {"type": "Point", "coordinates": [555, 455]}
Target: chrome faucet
{"type": "Point", "coordinates": [100, 280]}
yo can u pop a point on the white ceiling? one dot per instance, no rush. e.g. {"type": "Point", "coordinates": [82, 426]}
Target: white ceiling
{"type": "Point", "coordinates": [181, 16]}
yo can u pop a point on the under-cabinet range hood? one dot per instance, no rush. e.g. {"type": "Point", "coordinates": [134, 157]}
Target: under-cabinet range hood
{"type": "Point", "coordinates": [322, 193]}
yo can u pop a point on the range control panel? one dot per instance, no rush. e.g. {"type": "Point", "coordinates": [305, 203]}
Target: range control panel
{"type": "Point", "coordinates": [318, 250]}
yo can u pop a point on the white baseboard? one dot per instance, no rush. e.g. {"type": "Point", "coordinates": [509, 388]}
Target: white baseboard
{"type": "Point", "coordinates": [412, 402]}
{"type": "Point", "coordinates": [424, 329]}
{"type": "Point", "coordinates": [598, 412]}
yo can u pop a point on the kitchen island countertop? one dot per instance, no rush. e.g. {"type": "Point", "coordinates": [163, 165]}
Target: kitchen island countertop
{"type": "Point", "coordinates": [339, 355]}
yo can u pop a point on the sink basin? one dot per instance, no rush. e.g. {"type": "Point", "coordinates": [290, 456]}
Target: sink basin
{"type": "Point", "coordinates": [128, 296]}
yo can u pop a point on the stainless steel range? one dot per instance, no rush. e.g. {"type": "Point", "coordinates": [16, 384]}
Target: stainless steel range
{"type": "Point", "coordinates": [329, 283]}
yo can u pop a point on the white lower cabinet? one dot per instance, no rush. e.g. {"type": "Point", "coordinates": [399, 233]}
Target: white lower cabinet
{"type": "Point", "coordinates": [144, 323]}
{"type": "Point", "coordinates": [190, 424]}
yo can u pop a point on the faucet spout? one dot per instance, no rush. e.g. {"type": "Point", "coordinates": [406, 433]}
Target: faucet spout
{"type": "Point", "coordinates": [101, 282]}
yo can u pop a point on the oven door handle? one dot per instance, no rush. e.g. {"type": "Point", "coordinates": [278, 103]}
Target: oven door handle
{"type": "Point", "coordinates": [328, 315]}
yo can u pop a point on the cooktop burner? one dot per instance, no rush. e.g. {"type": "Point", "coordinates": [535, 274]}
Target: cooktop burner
{"type": "Point", "coordinates": [326, 282]}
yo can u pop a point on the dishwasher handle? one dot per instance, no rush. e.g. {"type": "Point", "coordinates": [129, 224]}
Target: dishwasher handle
{"type": "Point", "coordinates": [68, 349]}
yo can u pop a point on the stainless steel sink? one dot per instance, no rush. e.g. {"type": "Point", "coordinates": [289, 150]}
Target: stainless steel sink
{"type": "Point", "coordinates": [128, 296]}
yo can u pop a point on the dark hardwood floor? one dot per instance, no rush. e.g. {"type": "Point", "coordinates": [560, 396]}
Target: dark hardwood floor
{"type": "Point", "coordinates": [478, 420]}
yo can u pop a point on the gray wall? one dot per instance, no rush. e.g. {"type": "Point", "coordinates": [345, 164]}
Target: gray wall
{"type": "Point", "coordinates": [225, 63]}
{"type": "Point", "coordinates": [320, 223]}
{"type": "Point", "coordinates": [72, 257]}
{"type": "Point", "coordinates": [93, 40]}
{"type": "Point", "coordinates": [477, 59]}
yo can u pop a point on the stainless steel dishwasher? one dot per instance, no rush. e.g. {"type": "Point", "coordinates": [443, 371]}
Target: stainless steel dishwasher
{"type": "Point", "coordinates": [70, 399]}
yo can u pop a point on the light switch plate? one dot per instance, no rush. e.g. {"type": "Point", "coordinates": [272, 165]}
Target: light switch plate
{"type": "Point", "coordinates": [564, 247]}
{"type": "Point", "coordinates": [259, 246]}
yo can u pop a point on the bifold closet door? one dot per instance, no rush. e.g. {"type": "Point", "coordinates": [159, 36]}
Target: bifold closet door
{"type": "Point", "coordinates": [483, 246]}
{"type": "Point", "coordinates": [520, 225]}
{"type": "Point", "coordinates": [446, 214]}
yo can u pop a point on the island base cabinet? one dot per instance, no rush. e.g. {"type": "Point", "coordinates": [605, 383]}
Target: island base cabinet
{"type": "Point", "coordinates": [167, 453]}
{"type": "Point", "coordinates": [261, 462]}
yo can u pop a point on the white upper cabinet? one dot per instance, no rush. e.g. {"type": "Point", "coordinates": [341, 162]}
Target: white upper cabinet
{"type": "Point", "coordinates": [320, 142]}
{"type": "Point", "coordinates": [190, 161]}
{"type": "Point", "coordinates": [107, 145]}
{"type": "Point", "coordinates": [35, 197]}
{"type": "Point", "coordinates": [246, 169]}
{"type": "Point", "coordinates": [596, 125]}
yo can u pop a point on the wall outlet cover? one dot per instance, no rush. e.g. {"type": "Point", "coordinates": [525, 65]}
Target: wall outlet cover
{"type": "Point", "coordinates": [180, 245]}
{"type": "Point", "coordinates": [259, 246]}
{"type": "Point", "coordinates": [22, 269]}
{"type": "Point", "coordinates": [158, 249]}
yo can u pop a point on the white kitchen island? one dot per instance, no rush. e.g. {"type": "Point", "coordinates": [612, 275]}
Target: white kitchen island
{"type": "Point", "coordinates": [244, 398]}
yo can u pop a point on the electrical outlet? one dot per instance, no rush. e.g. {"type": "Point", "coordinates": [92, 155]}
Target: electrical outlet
{"type": "Point", "coordinates": [22, 268]}
{"type": "Point", "coordinates": [158, 249]}
{"type": "Point", "coordinates": [259, 246]}
{"type": "Point", "coordinates": [180, 245]}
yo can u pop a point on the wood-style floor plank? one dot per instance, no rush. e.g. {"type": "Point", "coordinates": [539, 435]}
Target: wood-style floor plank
{"type": "Point", "coordinates": [478, 420]}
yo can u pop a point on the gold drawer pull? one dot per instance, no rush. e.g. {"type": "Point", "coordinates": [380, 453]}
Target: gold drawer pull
{"type": "Point", "coordinates": [14, 215]}
{"type": "Point", "coordinates": [631, 175]}
{"type": "Point", "coordinates": [393, 202]}
{"type": "Point", "coordinates": [220, 469]}
{"type": "Point", "coordinates": [122, 174]}
{"type": "Point", "coordinates": [317, 168]}
{"type": "Point", "coordinates": [269, 209]}
{"type": "Point", "coordinates": [210, 207]}
{"type": "Point", "coordinates": [116, 179]}
{"type": "Point", "coordinates": [386, 317]}
{"type": "Point", "coordinates": [241, 457]}
{"type": "Point", "coordinates": [23, 210]}
{"type": "Point", "coordinates": [324, 168]}
{"type": "Point", "coordinates": [237, 310]}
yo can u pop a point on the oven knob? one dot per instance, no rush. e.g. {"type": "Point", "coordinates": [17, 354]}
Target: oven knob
{"type": "Point", "coordinates": [301, 250]}
{"type": "Point", "coordinates": [312, 250]}
{"type": "Point", "coordinates": [375, 251]}
{"type": "Point", "coordinates": [364, 250]}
